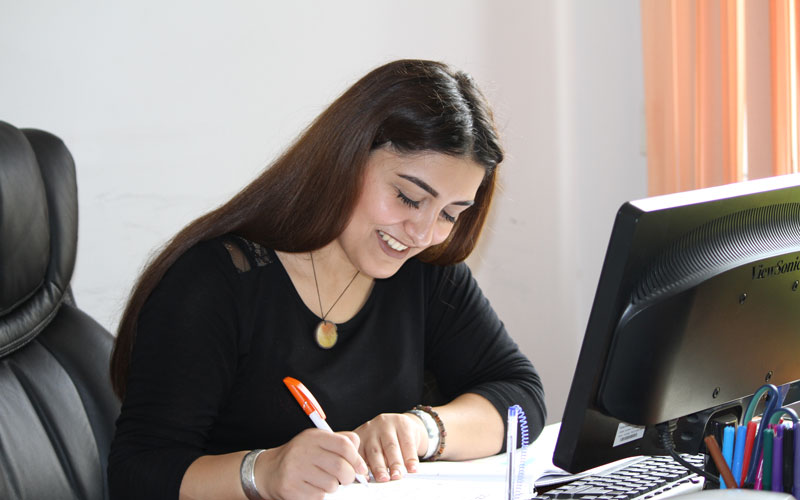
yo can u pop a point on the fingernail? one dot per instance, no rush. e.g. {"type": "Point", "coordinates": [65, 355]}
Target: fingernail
{"type": "Point", "coordinates": [412, 467]}
{"type": "Point", "coordinates": [395, 474]}
{"type": "Point", "coordinates": [383, 476]}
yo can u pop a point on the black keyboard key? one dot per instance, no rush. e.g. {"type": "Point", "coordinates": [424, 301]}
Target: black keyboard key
{"type": "Point", "coordinates": [591, 491]}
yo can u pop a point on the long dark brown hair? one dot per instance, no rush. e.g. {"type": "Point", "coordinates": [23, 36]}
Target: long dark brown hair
{"type": "Point", "coordinates": [304, 200]}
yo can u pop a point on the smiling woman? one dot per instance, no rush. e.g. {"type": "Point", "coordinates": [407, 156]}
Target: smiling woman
{"type": "Point", "coordinates": [408, 203]}
{"type": "Point", "coordinates": [342, 266]}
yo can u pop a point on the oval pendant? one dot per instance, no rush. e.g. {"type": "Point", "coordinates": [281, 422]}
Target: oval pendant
{"type": "Point", "coordinates": [326, 334]}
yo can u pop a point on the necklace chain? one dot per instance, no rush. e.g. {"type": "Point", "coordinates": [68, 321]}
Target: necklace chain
{"type": "Point", "coordinates": [319, 297]}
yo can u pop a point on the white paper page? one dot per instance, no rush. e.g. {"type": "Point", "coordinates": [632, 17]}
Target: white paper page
{"type": "Point", "coordinates": [479, 479]}
{"type": "Point", "coordinates": [483, 479]}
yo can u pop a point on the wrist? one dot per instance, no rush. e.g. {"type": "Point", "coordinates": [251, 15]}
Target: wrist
{"type": "Point", "coordinates": [422, 433]}
{"type": "Point", "coordinates": [434, 432]}
{"type": "Point", "coordinates": [248, 476]}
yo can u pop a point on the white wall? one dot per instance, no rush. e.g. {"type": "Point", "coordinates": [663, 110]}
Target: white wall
{"type": "Point", "coordinates": [170, 107]}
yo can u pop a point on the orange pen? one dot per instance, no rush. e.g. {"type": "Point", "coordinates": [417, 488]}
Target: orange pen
{"type": "Point", "coordinates": [309, 403]}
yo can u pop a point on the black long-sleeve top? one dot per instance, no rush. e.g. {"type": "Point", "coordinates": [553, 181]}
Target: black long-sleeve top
{"type": "Point", "coordinates": [215, 340]}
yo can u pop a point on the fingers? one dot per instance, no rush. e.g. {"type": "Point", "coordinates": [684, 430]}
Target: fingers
{"type": "Point", "coordinates": [315, 462]}
{"type": "Point", "coordinates": [325, 477]}
{"type": "Point", "coordinates": [393, 456]}
{"type": "Point", "coordinates": [353, 437]}
{"type": "Point", "coordinates": [360, 465]}
{"type": "Point", "coordinates": [343, 445]}
{"type": "Point", "coordinates": [372, 451]}
{"type": "Point", "coordinates": [389, 445]}
{"type": "Point", "coordinates": [408, 444]}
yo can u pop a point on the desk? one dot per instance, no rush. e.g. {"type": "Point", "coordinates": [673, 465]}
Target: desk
{"type": "Point", "coordinates": [483, 479]}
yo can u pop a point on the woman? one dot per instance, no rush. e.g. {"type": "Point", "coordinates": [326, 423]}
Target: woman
{"type": "Point", "coordinates": [341, 266]}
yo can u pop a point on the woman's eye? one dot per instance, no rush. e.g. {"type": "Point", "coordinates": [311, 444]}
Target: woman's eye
{"type": "Point", "coordinates": [408, 201]}
{"type": "Point", "coordinates": [448, 218]}
{"type": "Point", "coordinates": [415, 204]}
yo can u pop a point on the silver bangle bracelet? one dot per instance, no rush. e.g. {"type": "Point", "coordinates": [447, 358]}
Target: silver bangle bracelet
{"type": "Point", "coordinates": [248, 475]}
{"type": "Point", "coordinates": [431, 429]}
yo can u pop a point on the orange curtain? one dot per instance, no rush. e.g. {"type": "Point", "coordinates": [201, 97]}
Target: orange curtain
{"type": "Point", "coordinates": [720, 91]}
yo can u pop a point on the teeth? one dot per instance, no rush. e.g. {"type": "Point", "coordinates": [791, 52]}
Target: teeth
{"type": "Point", "coordinates": [396, 245]}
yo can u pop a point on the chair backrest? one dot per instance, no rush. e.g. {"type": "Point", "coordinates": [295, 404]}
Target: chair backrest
{"type": "Point", "coordinates": [57, 408]}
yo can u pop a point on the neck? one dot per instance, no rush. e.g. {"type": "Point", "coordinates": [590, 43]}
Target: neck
{"type": "Point", "coordinates": [331, 264]}
{"type": "Point", "coordinates": [333, 273]}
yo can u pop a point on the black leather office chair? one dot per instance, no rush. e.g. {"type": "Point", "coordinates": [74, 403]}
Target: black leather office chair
{"type": "Point", "coordinates": [57, 409]}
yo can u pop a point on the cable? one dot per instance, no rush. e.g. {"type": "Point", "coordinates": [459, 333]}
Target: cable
{"type": "Point", "coordinates": [772, 404]}
{"type": "Point", "coordinates": [665, 431]}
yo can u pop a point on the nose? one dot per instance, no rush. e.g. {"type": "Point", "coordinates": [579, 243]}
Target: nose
{"type": "Point", "coordinates": [421, 228]}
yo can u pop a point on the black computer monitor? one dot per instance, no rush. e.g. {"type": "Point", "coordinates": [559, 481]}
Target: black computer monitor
{"type": "Point", "coordinates": [697, 306]}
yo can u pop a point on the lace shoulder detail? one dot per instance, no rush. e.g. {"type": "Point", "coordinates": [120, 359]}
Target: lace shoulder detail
{"type": "Point", "coordinates": [245, 253]}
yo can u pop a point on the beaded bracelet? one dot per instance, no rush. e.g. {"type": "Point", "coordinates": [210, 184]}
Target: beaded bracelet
{"type": "Point", "coordinates": [442, 433]}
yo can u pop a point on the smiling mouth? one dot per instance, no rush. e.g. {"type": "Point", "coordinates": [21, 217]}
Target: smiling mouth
{"type": "Point", "coordinates": [393, 243]}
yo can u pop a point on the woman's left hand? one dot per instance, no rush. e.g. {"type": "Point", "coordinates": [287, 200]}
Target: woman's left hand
{"type": "Point", "coordinates": [390, 441]}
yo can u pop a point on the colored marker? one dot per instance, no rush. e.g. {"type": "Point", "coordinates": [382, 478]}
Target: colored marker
{"type": "Point", "coordinates": [759, 474]}
{"type": "Point", "coordinates": [796, 465]}
{"type": "Point", "coordinates": [719, 461]}
{"type": "Point", "coordinates": [766, 474]}
{"type": "Point", "coordinates": [738, 453]}
{"type": "Point", "coordinates": [777, 459]}
{"type": "Point", "coordinates": [727, 450]}
{"type": "Point", "coordinates": [313, 409]}
{"type": "Point", "coordinates": [748, 450]}
{"type": "Point", "coordinates": [788, 456]}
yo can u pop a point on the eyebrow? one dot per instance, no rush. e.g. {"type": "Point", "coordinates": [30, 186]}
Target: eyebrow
{"type": "Point", "coordinates": [427, 187]}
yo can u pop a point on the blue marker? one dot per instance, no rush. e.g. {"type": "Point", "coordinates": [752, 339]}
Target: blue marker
{"type": "Point", "coordinates": [738, 453]}
{"type": "Point", "coordinates": [727, 449]}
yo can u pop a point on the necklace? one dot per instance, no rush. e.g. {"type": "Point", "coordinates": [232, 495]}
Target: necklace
{"type": "Point", "coordinates": [326, 333]}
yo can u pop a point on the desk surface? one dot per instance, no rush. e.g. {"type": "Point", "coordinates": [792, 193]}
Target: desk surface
{"type": "Point", "coordinates": [483, 479]}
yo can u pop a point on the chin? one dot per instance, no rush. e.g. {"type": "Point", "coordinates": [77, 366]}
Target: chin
{"type": "Point", "coordinates": [384, 271]}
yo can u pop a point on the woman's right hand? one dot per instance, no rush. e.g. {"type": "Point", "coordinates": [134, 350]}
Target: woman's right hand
{"type": "Point", "coordinates": [313, 463]}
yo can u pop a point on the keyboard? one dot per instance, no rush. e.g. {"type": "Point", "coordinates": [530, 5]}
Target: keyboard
{"type": "Point", "coordinates": [642, 478]}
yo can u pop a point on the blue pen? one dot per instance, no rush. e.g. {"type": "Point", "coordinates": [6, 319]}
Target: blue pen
{"type": "Point", "coordinates": [777, 459]}
{"type": "Point", "coordinates": [511, 450]}
{"type": "Point", "coordinates": [727, 450]}
{"type": "Point", "coordinates": [738, 453]}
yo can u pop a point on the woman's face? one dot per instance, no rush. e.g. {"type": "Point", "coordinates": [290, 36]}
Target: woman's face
{"type": "Point", "coordinates": [408, 203]}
